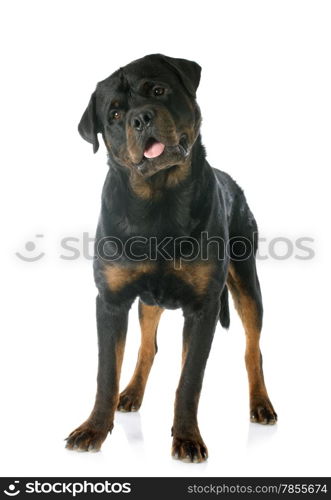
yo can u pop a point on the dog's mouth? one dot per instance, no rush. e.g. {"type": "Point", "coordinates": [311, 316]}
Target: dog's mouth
{"type": "Point", "coordinates": [153, 148]}
{"type": "Point", "coordinates": [159, 156]}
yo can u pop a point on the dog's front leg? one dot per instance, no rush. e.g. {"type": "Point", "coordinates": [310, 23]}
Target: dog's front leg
{"type": "Point", "coordinates": [198, 334]}
{"type": "Point", "coordinates": [112, 326]}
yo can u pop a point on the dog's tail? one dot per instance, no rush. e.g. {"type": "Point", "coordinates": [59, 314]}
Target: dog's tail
{"type": "Point", "coordinates": [224, 312]}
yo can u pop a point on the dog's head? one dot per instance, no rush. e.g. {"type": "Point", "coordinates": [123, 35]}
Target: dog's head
{"type": "Point", "coordinates": [147, 113]}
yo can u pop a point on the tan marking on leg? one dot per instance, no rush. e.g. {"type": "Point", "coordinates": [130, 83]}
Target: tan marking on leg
{"type": "Point", "coordinates": [118, 276]}
{"type": "Point", "coordinates": [184, 351]}
{"type": "Point", "coordinates": [149, 317]}
{"type": "Point", "coordinates": [248, 313]}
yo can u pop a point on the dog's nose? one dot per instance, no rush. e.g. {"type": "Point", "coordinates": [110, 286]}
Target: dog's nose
{"type": "Point", "coordinates": [142, 120]}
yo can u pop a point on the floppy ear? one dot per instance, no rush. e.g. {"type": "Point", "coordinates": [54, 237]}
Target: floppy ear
{"type": "Point", "coordinates": [188, 72]}
{"type": "Point", "coordinates": [88, 126]}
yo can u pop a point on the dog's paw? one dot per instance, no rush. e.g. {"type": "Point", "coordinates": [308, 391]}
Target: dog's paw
{"type": "Point", "coordinates": [262, 412]}
{"type": "Point", "coordinates": [129, 400]}
{"type": "Point", "coordinates": [86, 438]}
{"type": "Point", "coordinates": [189, 450]}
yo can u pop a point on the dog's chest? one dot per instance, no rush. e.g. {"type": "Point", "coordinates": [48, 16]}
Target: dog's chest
{"type": "Point", "coordinates": [176, 286]}
{"type": "Point", "coordinates": [169, 284]}
{"type": "Point", "coordinates": [167, 213]}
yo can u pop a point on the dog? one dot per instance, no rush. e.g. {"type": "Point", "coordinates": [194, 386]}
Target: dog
{"type": "Point", "coordinates": [174, 232]}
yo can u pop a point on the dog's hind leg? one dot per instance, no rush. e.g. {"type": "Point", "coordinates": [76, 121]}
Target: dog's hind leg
{"type": "Point", "coordinates": [131, 398]}
{"type": "Point", "coordinates": [245, 289]}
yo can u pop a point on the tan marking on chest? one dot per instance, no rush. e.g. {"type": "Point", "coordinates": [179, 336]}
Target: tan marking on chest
{"type": "Point", "coordinates": [195, 274]}
{"type": "Point", "coordinates": [119, 276]}
{"type": "Point", "coordinates": [156, 186]}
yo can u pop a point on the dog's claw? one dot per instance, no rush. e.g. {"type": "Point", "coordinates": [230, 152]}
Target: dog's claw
{"type": "Point", "coordinates": [129, 401]}
{"type": "Point", "coordinates": [189, 451]}
{"type": "Point", "coordinates": [85, 438]}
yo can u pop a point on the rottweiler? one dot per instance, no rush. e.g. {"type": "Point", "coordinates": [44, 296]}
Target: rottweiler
{"type": "Point", "coordinates": [173, 232]}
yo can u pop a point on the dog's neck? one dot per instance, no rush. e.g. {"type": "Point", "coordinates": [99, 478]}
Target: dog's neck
{"type": "Point", "coordinates": [168, 195]}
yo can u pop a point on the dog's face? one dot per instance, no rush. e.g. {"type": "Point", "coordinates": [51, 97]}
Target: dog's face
{"type": "Point", "coordinates": [146, 113]}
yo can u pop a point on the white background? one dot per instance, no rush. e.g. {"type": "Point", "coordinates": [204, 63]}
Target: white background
{"type": "Point", "coordinates": [265, 98]}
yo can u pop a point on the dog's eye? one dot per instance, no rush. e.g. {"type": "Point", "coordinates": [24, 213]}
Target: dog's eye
{"type": "Point", "coordinates": [115, 115]}
{"type": "Point", "coordinates": [157, 91]}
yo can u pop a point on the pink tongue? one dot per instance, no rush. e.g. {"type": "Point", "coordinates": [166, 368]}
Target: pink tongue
{"type": "Point", "coordinates": [154, 150]}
